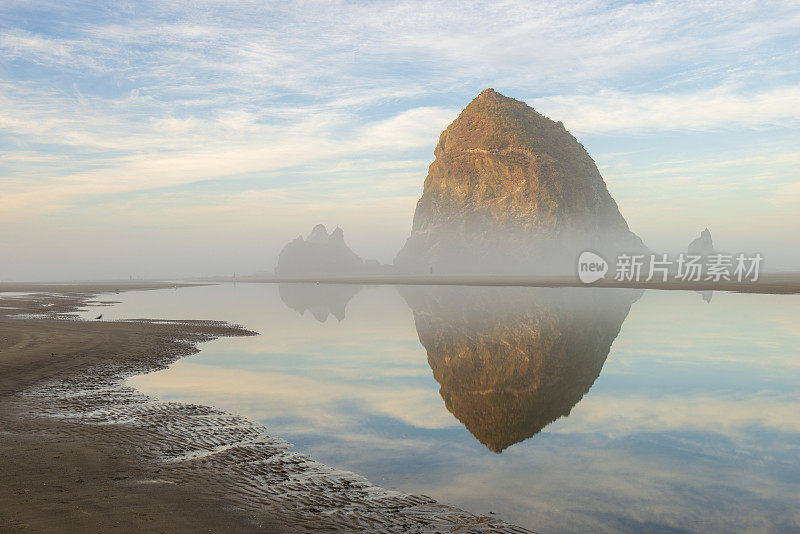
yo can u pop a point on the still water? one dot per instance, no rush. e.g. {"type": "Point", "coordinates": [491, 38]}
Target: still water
{"type": "Point", "coordinates": [561, 410]}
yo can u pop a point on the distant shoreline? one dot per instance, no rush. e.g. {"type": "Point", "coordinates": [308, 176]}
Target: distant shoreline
{"type": "Point", "coordinates": [787, 283]}
{"type": "Point", "coordinates": [774, 284]}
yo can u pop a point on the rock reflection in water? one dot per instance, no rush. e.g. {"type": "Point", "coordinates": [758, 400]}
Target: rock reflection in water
{"type": "Point", "coordinates": [321, 299]}
{"type": "Point", "coordinates": [510, 361]}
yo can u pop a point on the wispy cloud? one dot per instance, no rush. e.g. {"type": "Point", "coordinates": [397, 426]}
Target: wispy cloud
{"type": "Point", "coordinates": [707, 109]}
{"type": "Point", "coordinates": [98, 102]}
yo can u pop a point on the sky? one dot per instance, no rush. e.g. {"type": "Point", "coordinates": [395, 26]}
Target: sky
{"type": "Point", "coordinates": [174, 139]}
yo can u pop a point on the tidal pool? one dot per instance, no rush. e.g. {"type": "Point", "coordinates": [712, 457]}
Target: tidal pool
{"type": "Point", "coordinates": [561, 410]}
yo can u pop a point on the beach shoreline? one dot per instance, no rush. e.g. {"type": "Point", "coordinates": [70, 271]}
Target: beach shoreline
{"type": "Point", "coordinates": [61, 475]}
{"type": "Point", "coordinates": [772, 283]}
{"type": "Point", "coordinates": [83, 452]}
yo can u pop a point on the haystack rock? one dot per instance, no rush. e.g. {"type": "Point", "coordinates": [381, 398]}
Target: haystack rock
{"type": "Point", "coordinates": [319, 255]}
{"type": "Point", "coordinates": [703, 245]}
{"type": "Point", "coordinates": [511, 191]}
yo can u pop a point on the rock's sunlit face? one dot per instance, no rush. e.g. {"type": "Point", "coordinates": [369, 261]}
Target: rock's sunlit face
{"type": "Point", "coordinates": [511, 191]}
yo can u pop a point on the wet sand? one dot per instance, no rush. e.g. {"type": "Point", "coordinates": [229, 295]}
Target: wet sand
{"type": "Point", "coordinates": [82, 452]}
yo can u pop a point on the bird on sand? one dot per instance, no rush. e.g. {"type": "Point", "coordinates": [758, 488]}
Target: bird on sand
{"type": "Point", "coordinates": [99, 317]}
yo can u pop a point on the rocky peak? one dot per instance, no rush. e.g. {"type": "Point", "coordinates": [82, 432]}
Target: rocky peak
{"type": "Point", "coordinates": [319, 255]}
{"type": "Point", "coordinates": [496, 122]}
{"type": "Point", "coordinates": [319, 234]}
{"type": "Point", "coordinates": [511, 191]}
{"type": "Point", "coordinates": [703, 245]}
{"type": "Point", "coordinates": [337, 235]}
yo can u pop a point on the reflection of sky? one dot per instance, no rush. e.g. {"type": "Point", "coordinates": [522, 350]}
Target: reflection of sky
{"type": "Point", "coordinates": [692, 425]}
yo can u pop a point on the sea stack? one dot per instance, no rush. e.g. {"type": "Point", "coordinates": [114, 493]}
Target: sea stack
{"type": "Point", "coordinates": [320, 254]}
{"type": "Point", "coordinates": [703, 245]}
{"type": "Point", "coordinates": [511, 191]}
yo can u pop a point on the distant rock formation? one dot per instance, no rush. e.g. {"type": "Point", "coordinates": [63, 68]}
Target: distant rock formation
{"type": "Point", "coordinates": [322, 255]}
{"type": "Point", "coordinates": [511, 191]}
{"type": "Point", "coordinates": [319, 255]}
{"type": "Point", "coordinates": [322, 300]}
{"type": "Point", "coordinates": [703, 245]}
{"type": "Point", "coordinates": [511, 361]}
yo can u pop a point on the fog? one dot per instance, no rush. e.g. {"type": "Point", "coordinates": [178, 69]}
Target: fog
{"type": "Point", "coordinates": [97, 252]}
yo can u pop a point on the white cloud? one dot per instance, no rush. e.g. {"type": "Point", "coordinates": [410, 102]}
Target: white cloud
{"type": "Point", "coordinates": [721, 107]}
{"type": "Point", "coordinates": [107, 102]}
{"type": "Point", "coordinates": [203, 158]}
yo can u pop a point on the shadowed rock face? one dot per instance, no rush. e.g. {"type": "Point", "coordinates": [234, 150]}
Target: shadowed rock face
{"type": "Point", "coordinates": [320, 254]}
{"type": "Point", "coordinates": [511, 191]}
{"type": "Point", "coordinates": [510, 361]}
{"type": "Point", "coordinates": [321, 300]}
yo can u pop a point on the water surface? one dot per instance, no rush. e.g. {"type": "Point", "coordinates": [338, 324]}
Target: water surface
{"type": "Point", "coordinates": [562, 410]}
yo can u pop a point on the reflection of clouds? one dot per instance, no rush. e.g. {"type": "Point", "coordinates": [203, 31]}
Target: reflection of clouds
{"type": "Point", "coordinates": [788, 323]}
{"type": "Point", "coordinates": [613, 415]}
{"type": "Point", "coordinates": [318, 343]}
{"type": "Point", "coordinates": [375, 313]}
{"type": "Point", "coordinates": [620, 470]}
{"type": "Point", "coordinates": [663, 440]}
{"type": "Point", "coordinates": [591, 485]}
{"type": "Point", "coordinates": [741, 329]}
{"type": "Point", "coordinates": [294, 396]}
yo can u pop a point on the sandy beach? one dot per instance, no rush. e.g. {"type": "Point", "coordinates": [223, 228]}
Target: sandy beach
{"type": "Point", "coordinates": [62, 475]}
{"type": "Point", "coordinates": [82, 452]}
